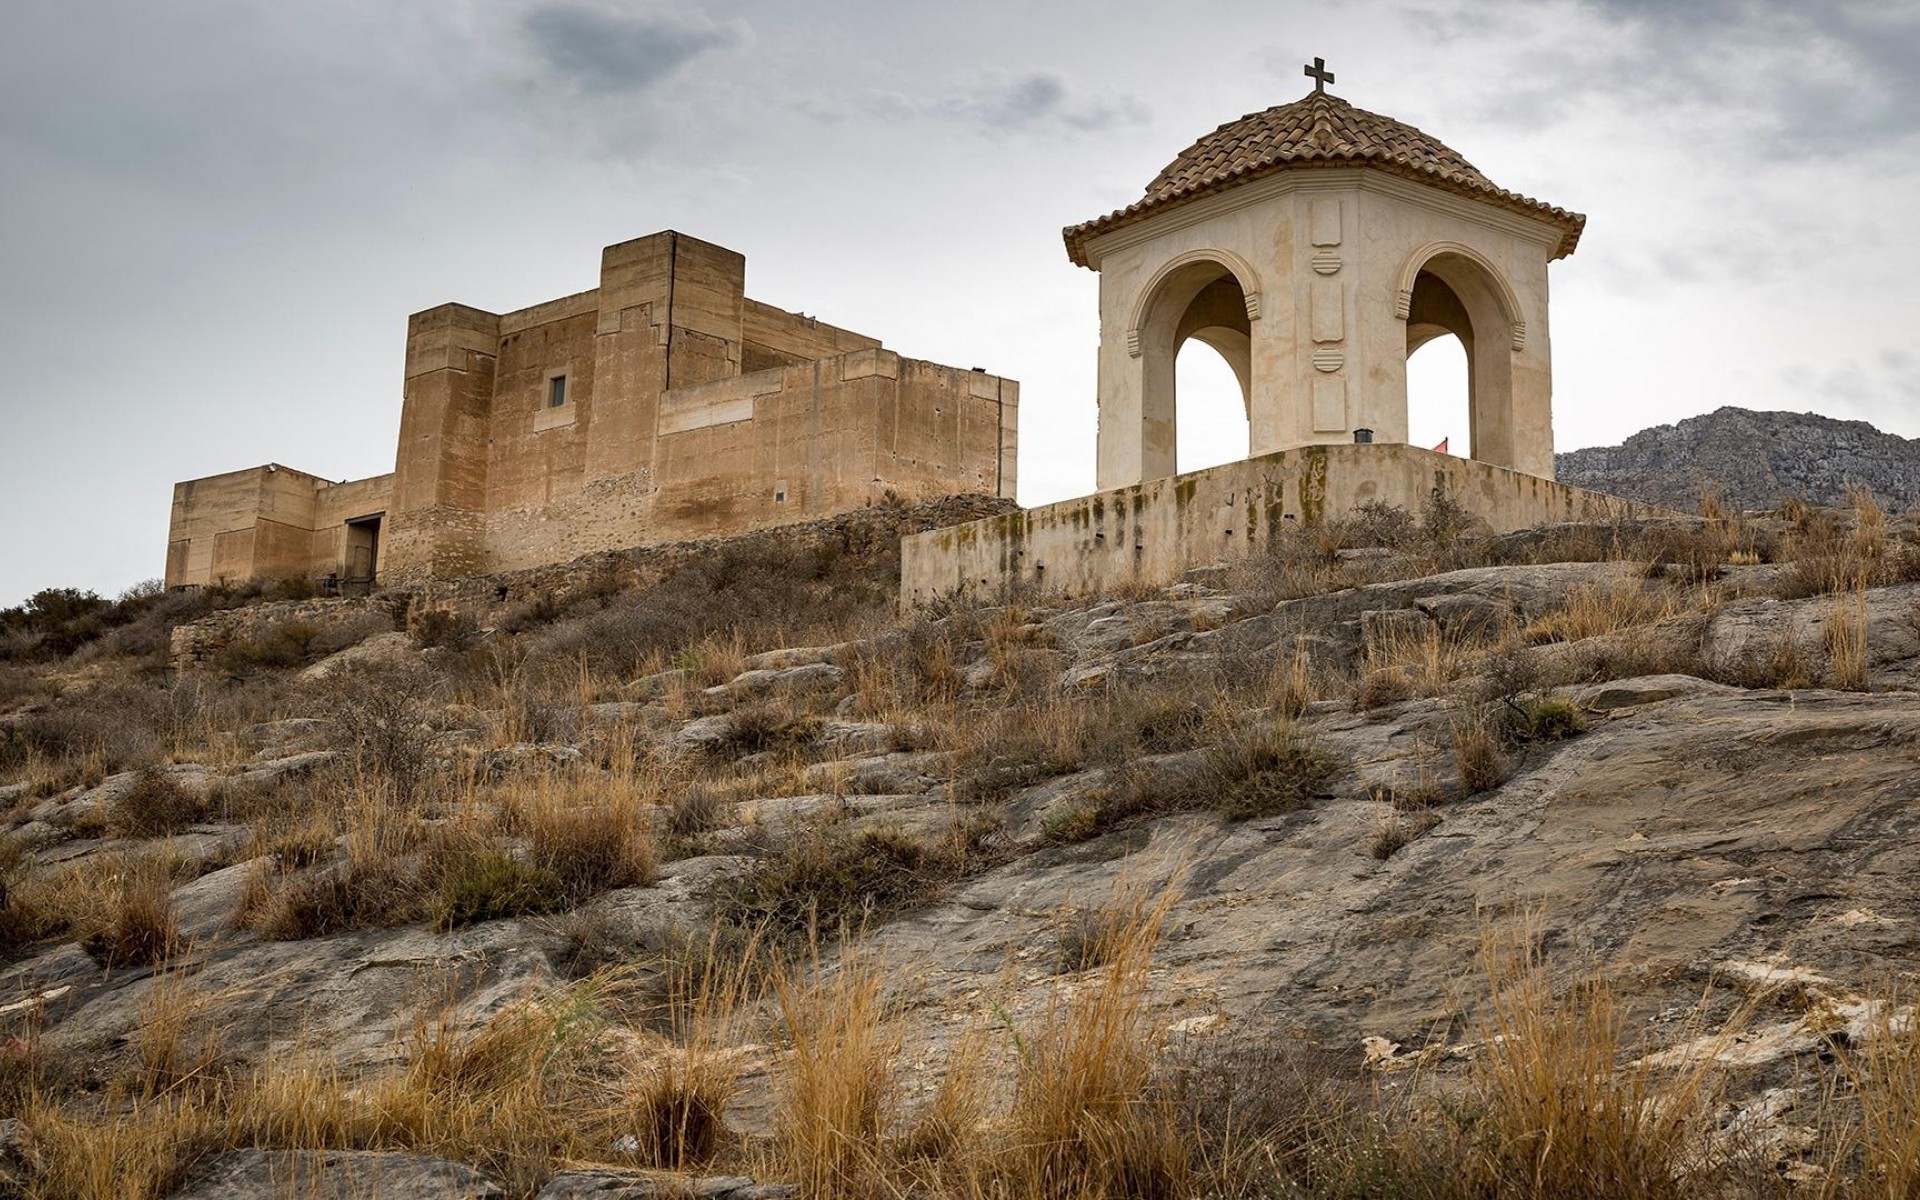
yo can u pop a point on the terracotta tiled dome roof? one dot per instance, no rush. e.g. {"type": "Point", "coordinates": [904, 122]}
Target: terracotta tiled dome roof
{"type": "Point", "coordinates": [1317, 130]}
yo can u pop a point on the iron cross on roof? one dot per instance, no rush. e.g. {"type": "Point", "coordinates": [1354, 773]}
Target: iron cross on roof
{"type": "Point", "coordinates": [1319, 74]}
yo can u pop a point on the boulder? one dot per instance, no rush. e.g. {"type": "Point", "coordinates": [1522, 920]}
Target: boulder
{"type": "Point", "coordinates": [382, 649]}
{"type": "Point", "coordinates": [658, 1185]}
{"type": "Point", "coordinates": [766, 680]}
{"type": "Point", "coordinates": [337, 1175]}
{"type": "Point", "coordinates": [522, 757]}
{"type": "Point", "coordinates": [884, 774]}
{"type": "Point", "coordinates": [857, 737]}
{"type": "Point", "coordinates": [1648, 689]}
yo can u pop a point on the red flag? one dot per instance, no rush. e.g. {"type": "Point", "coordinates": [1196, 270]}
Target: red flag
{"type": "Point", "coordinates": [1442, 447]}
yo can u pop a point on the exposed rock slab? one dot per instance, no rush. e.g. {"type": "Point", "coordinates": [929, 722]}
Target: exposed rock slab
{"type": "Point", "coordinates": [337, 1175]}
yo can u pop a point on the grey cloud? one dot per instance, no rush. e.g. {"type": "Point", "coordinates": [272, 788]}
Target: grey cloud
{"type": "Point", "coordinates": [1816, 80]}
{"type": "Point", "coordinates": [603, 50]}
{"type": "Point", "coordinates": [1035, 100]}
{"type": "Point", "coordinates": [1883, 391]}
{"type": "Point", "coordinates": [1028, 99]}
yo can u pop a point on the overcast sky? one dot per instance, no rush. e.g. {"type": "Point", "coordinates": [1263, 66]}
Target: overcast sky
{"type": "Point", "coordinates": [215, 215]}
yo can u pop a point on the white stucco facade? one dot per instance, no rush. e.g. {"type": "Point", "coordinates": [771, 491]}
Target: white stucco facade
{"type": "Point", "coordinates": [1315, 282]}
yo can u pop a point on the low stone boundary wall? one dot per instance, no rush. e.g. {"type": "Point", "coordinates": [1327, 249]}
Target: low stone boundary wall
{"type": "Point", "coordinates": [1152, 532]}
{"type": "Point", "coordinates": [874, 532]}
{"type": "Point", "coordinates": [200, 643]}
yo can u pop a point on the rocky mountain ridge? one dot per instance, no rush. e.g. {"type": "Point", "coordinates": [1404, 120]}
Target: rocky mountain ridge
{"type": "Point", "coordinates": [1754, 460]}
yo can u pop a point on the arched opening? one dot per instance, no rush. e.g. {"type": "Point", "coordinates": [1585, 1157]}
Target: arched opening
{"type": "Point", "coordinates": [1201, 301]}
{"type": "Point", "coordinates": [1463, 396]}
{"type": "Point", "coordinates": [1439, 411]}
{"type": "Point", "coordinates": [1211, 426]}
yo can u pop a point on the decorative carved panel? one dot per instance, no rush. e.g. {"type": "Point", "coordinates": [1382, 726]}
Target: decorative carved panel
{"type": "Point", "coordinates": [1329, 404]}
{"type": "Point", "coordinates": [1328, 302]}
{"type": "Point", "coordinates": [1324, 221]}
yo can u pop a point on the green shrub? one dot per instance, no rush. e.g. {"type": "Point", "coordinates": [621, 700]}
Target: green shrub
{"type": "Point", "coordinates": [485, 882]}
{"type": "Point", "coordinates": [1263, 771]}
{"type": "Point", "coordinates": [1548, 719]}
{"type": "Point", "coordinates": [831, 875]}
{"type": "Point", "coordinates": [357, 894]}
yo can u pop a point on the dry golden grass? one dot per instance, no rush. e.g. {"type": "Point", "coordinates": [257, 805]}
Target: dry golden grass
{"type": "Point", "coordinates": [1402, 663]}
{"type": "Point", "coordinates": [1845, 635]}
{"type": "Point", "coordinates": [1878, 1158]}
{"type": "Point", "coordinates": [1082, 1123]}
{"type": "Point", "coordinates": [840, 1080]}
{"type": "Point", "coordinates": [1479, 748]}
{"type": "Point", "coordinates": [675, 1103]}
{"type": "Point", "coordinates": [1296, 684]}
{"type": "Point", "coordinates": [1554, 1112]}
{"type": "Point", "coordinates": [1593, 610]}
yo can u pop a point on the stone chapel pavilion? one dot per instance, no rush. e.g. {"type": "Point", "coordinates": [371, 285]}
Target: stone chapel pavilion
{"type": "Point", "coordinates": [1315, 245]}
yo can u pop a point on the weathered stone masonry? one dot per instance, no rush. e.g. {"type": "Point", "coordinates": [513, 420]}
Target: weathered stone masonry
{"type": "Point", "coordinates": [661, 406]}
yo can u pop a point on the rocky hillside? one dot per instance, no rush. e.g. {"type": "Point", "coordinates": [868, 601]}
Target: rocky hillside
{"type": "Point", "coordinates": [1754, 460]}
{"type": "Point", "coordinates": [1571, 863]}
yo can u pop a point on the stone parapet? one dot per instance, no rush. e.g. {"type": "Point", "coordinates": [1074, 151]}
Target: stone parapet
{"type": "Point", "coordinates": [1152, 532]}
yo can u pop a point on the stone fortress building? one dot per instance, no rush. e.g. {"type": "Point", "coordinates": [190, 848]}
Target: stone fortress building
{"type": "Point", "coordinates": [663, 405]}
{"type": "Point", "coordinates": [1316, 246]}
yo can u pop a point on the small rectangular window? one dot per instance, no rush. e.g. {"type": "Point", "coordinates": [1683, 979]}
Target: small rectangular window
{"type": "Point", "coordinates": [557, 391]}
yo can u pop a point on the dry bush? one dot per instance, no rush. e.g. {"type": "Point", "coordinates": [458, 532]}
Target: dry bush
{"type": "Point", "coordinates": [1881, 1150]}
{"type": "Point", "coordinates": [696, 808]}
{"type": "Point", "coordinates": [140, 929]}
{"type": "Point", "coordinates": [763, 593]}
{"type": "Point", "coordinates": [445, 629]}
{"type": "Point", "coordinates": [1478, 735]}
{"type": "Point", "coordinates": [831, 874]}
{"type": "Point", "coordinates": [155, 805]}
{"type": "Point", "coordinates": [1544, 719]}
{"type": "Point", "coordinates": [1280, 1117]}
{"type": "Point", "coordinates": [380, 723]}
{"type": "Point", "coordinates": [841, 1083]}
{"type": "Point", "coordinates": [1295, 563]}
{"type": "Point", "coordinates": [470, 878]}
{"type": "Point", "coordinates": [675, 1105]}
{"type": "Point", "coordinates": [1000, 751]}
{"type": "Point", "coordinates": [768, 725]}
{"type": "Point", "coordinates": [19, 685]}
{"type": "Point", "coordinates": [589, 834]}
{"type": "Point", "coordinates": [357, 893]}
{"type": "Point", "coordinates": [1402, 664]}
{"type": "Point", "coordinates": [1265, 769]}
{"type": "Point", "coordinates": [1090, 937]}
{"type": "Point", "coordinates": [1295, 684]}
{"type": "Point", "coordinates": [176, 1042]}
{"type": "Point", "coordinates": [1831, 554]}
{"type": "Point", "coordinates": [1782, 663]}
{"type": "Point", "coordinates": [109, 895]}
{"type": "Point", "coordinates": [1162, 717]}
{"type": "Point", "coordinates": [1396, 827]}
{"type": "Point", "coordinates": [87, 734]}
{"type": "Point", "coordinates": [914, 668]}
{"type": "Point", "coordinates": [1595, 609]}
